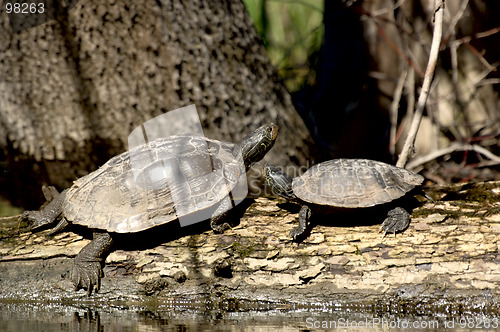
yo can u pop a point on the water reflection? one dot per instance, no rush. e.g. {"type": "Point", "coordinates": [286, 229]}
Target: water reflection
{"type": "Point", "coordinates": [49, 317]}
{"type": "Point", "coordinates": [57, 317]}
{"type": "Point", "coordinates": [89, 321]}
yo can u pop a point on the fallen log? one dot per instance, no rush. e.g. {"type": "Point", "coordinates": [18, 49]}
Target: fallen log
{"type": "Point", "coordinates": [449, 253]}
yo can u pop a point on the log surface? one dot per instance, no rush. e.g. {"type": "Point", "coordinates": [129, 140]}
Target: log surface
{"type": "Point", "coordinates": [448, 253]}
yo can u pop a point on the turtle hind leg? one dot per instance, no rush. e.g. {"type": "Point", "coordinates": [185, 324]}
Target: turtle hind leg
{"type": "Point", "coordinates": [397, 220]}
{"type": "Point", "coordinates": [299, 232]}
{"type": "Point", "coordinates": [87, 266]}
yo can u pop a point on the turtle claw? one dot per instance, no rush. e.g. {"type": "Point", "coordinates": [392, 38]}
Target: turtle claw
{"type": "Point", "coordinates": [220, 228]}
{"type": "Point", "coordinates": [88, 264]}
{"type": "Point", "coordinates": [87, 275]}
{"type": "Point", "coordinates": [397, 220]}
{"type": "Point", "coordinates": [297, 233]}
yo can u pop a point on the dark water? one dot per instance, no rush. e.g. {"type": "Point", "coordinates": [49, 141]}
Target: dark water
{"type": "Point", "coordinates": [58, 317]}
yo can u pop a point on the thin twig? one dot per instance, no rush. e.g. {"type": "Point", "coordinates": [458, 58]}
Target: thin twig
{"type": "Point", "coordinates": [386, 10]}
{"type": "Point", "coordinates": [429, 73]}
{"type": "Point", "coordinates": [410, 94]}
{"type": "Point", "coordinates": [454, 57]}
{"type": "Point", "coordinates": [454, 53]}
{"type": "Point", "coordinates": [398, 51]}
{"type": "Point", "coordinates": [456, 18]}
{"type": "Point", "coordinates": [489, 81]}
{"type": "Point", "coordinates": [454, 147]}
{"type": "Point", "coordinates": [476, 82]}
{"type": "Point", "coordinates": [479, 56]}
{"type": "Point", "coordinates": [394, 110]}
{"type": "Point", "coordinates": [410, 100]}
{"type": "Point", "coordinates": [478, 35]}
{"type": "Point", "coordinates": [482, 75]}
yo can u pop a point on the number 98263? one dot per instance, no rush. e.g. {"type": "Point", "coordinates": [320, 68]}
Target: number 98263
{"type": "Point", "coordinates": [24, 8]}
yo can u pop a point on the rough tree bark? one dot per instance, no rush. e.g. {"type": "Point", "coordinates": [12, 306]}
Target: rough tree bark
{"type": "Point", "coordinates": [446, 261]}
{"type": "Point", "coordinates": [73, 89]}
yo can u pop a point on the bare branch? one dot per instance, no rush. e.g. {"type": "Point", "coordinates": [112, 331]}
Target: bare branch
{"type": "Point", "coordinates": [478, 35]}
{"type": "Point", "coordinates": [388, 9]}
{"type": "Point", "coordinates": [456, 18]}
{"type": "Point", "coordinates": [398, 51]}
{"type": "Point", "coordinates": [394, 110]}
{"type": "Point", "coordinates": [454, 52]}
{"type": "Point", "coordinates": [479, 56]}
{"type": "Point", "coordinates": [429, 73]}
{"type": "Point", "coordinates": [453, 148]}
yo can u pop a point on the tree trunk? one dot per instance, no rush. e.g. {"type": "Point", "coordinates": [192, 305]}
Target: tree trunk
{"type": "Point", "coordinates": [447, 259]}
{"type": "Point", "coordinates": [74, 88]}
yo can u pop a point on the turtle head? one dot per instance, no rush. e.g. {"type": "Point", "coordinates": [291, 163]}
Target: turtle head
{"type": "Point", "coordinates": [49, 213]}
{"type": "Point", "coordinates": [256, 144]}
{"type": "Point", "coordinates": [279, 182]}
{"type": "Point", "coordinates": [35, 220]}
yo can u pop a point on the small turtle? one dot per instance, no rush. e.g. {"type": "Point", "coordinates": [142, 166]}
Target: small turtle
{"type": "Point", "coordinates": [345, 184]}
{"type": "Point", "coordinates": [114, 200]}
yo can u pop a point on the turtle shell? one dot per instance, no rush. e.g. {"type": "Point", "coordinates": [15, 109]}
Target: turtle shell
{"type": "Point", "coordinates": [130, 193]}
{"type": "Point", "coordinates": [354, 183]}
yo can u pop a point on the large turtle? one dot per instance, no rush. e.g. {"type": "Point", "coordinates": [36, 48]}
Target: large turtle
{"type": "Point", "coordinates": [345, 184]}
{"type": "Point", "coordinates": [114, 199]}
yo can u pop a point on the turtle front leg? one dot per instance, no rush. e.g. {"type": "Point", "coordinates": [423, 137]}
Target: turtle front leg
{"type": "Point", "coordinates": [397, 220]}
{"type": "Point", "coordinates": [88, 264]}
{"type": "Point", "coordinates": [218, 222]}
{"type": "Point", "coordinates": [304, 215]}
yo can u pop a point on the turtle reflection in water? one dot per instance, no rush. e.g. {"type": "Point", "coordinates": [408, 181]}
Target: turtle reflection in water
{"type": "Point", "coordinates": [345, 184]}
{"type": "Point", "coordinates": [110, 200]}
